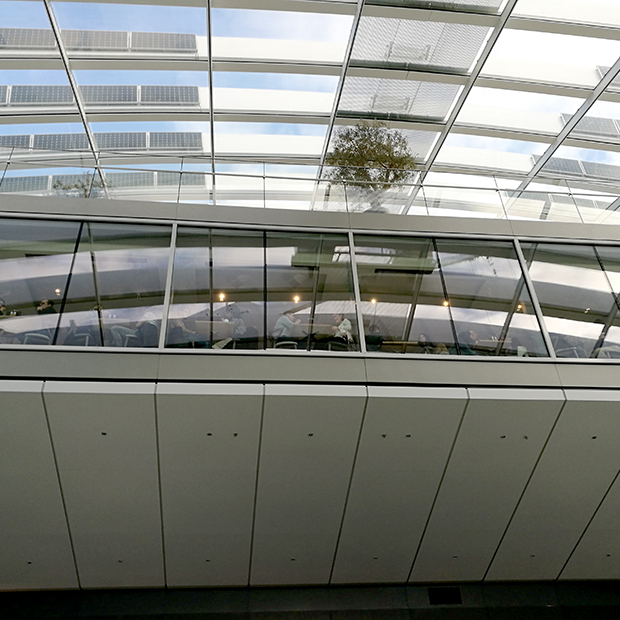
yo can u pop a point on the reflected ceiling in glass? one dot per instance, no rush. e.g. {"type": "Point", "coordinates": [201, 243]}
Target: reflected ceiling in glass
{"type": "Point", "coordinates": [482, 91]}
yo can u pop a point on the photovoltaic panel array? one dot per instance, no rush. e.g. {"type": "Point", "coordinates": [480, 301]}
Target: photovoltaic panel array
{"type": "Point", "coordinates": [119, 140]}
{"type": "Point", "coordinates": [38, 95]}
{"type": "Point", "coordinates": [170, 94]}
{"type": "Point", "coordinates": [130, 179]}
{"type": "Point", "coordinates": [4, 91]}
{"type": "Point", "coordinates": [95, 40]}
{"type": "Point", "coordinates": [15, 141]}
{"type": "Point", "coordinates": [594, 126]}
{"type": "Point", "coordinates": [27, 38]}
{"type": "Point", "coordinates": [563, 166]}
{"type": "Point", "coordinates": [601, 171]}
{"type": "Point", "coordinates": [163, 42]}
{"type": "Point", "coordinates": [24, 184]}
{"type": "Point", "coordinates": [173, 178]}
{"type": "Point", "coordinates": [106, 94]}
{"type": "Point", "coordinates": [176, 140]}
{"type": "Point", "coordinates": [61, 142]}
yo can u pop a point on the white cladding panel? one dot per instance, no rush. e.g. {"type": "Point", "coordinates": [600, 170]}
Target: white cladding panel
{"type": "Point", "coordinates": [575, 471]}
{"type": "Point", "coordinates": [35, 549]}
{"type": "Point", "coordinates": [308, 444]}
{"type": "Point", "coordinates": [405, 443]}
{"type": "Point", "coordinates": [104, 438]}
{"type": "Point", "coordinates": [498, 444]}
{"type": "Point", "coordinates": [208, 443]}
{"type": "Point", "coordinates": [597, 556]}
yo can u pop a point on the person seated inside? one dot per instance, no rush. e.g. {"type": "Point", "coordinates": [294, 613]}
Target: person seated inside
{"type": "Point", "coordinates": [341, 331]}
{"type": "Point", "coordinates": [424, 346]}
{"type": "Point", "coordinates": [232, 314]}
{"type": "Point", "coordinates": [285, 329]}
{"type": "Point", "coordinates": [46, 306]}
{"type": "Point", "coordinates": [3, 308]}
{"type": "Point", "coordinates": [466, 343]}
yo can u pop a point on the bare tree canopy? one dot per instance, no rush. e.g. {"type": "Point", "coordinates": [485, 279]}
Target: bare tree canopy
{"type": "Point", "coordinates": [370, 154]}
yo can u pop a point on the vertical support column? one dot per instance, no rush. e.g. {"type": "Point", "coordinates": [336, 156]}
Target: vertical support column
{"type": "Point", "coordinates": [356, 293]}
{"type": "Point", "coordinates": [211, 121]}
{"type": "Point", "coordinates": [535, 303]}
{"type": "Point", "coordinates": [168, 289]}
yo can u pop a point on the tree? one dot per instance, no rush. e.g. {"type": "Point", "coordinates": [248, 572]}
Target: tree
{"type": "Point", "coordinates": [370, 155]}
{"type": "Point", "coordinates": [80, 186]}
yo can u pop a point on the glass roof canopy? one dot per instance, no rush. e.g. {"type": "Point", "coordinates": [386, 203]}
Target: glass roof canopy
{"type": "Point", "coordinates": [175, 100]}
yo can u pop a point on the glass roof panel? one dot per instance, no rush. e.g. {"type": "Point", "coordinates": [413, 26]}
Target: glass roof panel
{"type": "Point", "coordinates": [143, 91]}
{"type": "Point", "coordinates": [269, 139]}
{"type": "Point", "coordinates": [172, 31]}
{"type": "Point", "coordinates": [412, 44]}
{"type": "Point", "coordinates": [475, 6]}
{"type": "Point", "coordinates": [600, 12]}
{"type": "Point", "coordinates": [567, 59]}
{"type": "Point", "coordinates": [279, 35]}
{"type": "Point", "coordinates": [397, 98]}
{"type": "Point", "coordinates": [489, 153]}
{"type": "Point", "coordinates": [518, 110]}
{"type": "Point", "coordinates": [25, 31]}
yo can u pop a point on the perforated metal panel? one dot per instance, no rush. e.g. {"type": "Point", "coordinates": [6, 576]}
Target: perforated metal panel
{"type": "Point", "coordinates": [172, 178]}
{"type": "Point", "coordinates": [176, 140]}
{"type": "Point", "coordinates": [17, 141]}
{"type": "Point", "coordinates": [27, 38]}
{"type": "Point", "coordinates": [37, 95]}
{"type": "Point", "coordinates": [95, 40]}
{"type": "Point", "coordinates": [563, 166]}
{"type": "Point", "coordinates": [593, 126]}
{"type": "Point", "coordinates": [4, 90]}
{"type": "Point", "coordinates": [475, 6]}
{"type": "Point", "coordinates": [402, 97]}
{"type": "Point", "coordinates": [61, 141]}
{"type": "Point", "coordinates": [387, 41]}
{"type": "Point", "coordinates": [124, 140]}
{"type": "Point", "coordinates": [106, 94]}
{"type": "Point", "coordinates": [170, 94]}
{"type": "Point", "coordinates": [130, 179]}
{"type": "Point", "coordinates": [601, 171]}
{"type": "Point", "coordinates": [163, 42]}
{"type": "Point", "coordinates": [23, 184]}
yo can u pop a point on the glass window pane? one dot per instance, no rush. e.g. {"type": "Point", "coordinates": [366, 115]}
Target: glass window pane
{"type": "Point", "coordinates": [35, 261]}
{"type": "Point", "coordinates": [238, 289]}
{"type": "Point", "coordinates": [574, 294]}
{"type": "Point", "coordinates": [404, 304]}
{"type": "Point", "coordinates": [116, 291]}
{"type": "Point", "coordinates": [310, 301]}
{"type": "Point", "coordinates": [490, 302]}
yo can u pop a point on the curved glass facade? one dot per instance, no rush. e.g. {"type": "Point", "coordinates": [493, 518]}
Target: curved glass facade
{"type": "Point", "coordinates": [106, 284]}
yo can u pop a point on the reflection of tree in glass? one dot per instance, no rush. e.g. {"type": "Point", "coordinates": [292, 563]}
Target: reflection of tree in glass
{"type": "Point", "coordinates": [372, 157]}
{"type": "Point", "coordinates": [80, 186]}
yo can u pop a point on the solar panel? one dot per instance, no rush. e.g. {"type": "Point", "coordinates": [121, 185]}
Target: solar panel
{"type": "Point", "coordinates": [125, 140]}
{"type": "Point", "coordinates": [130, 179]}
{"type": "Point", "coordinates": [176, 140]}
{"type": "Point", "coordinates": [170, 94]}
{"type": "Point", "coordinates": [615, 83]}
{"type": "Point", "coordinates": [62, 142]}
{"type": "Point", "coordinates": [47, 95]}
{"type": "Point", "coordinates": [172, 178]}
{"type": "Point", "coordinates": [23, 184]}
{"type": "Point", "coordinates": [27, 38]}
{"type": "Point", "coordinates": [3, 93]}
{"type": "Point", "coordinates": [109, 94]}
{"type": "Point", "coordinates": [73, 180]}
{"type": "Point", "coordinates": [163, 42]}
{"type": "Point", "coordinates": [593, 126]}
{"type": "Point", "coordinates": [18, 141]}
{"type": "Point", "coordinates": [601, 171]}
{"type": "Point", "coordinates": [566, 166]}
{"type": "Point", "coordinates": [95, 40]}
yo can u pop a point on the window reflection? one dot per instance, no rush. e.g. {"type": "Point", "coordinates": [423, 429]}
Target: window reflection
{"type": "Point", "coordinates": [116, 291]}
{"type": "Point", "coordinates": [310, 293]}
{"type": "Point", "coordinates": [404, 302]}
{"type": "Point", "coordinates": [575, 296]}
{"type": "Point", "coordinates": [490, 303]}
{"type": "Point", "coordinates": [35, 262]}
